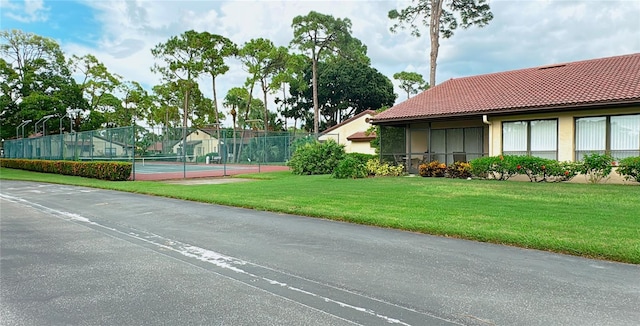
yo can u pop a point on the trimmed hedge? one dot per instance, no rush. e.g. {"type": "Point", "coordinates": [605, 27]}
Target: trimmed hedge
{"type": "Point", "coordinates": [112, 171]}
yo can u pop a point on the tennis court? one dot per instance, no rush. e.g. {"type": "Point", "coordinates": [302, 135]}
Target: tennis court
{"type": "Point", "coordinates": [172, 168]}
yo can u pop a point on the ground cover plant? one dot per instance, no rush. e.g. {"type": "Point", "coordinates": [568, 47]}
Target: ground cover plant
{"type": "Point", "coordinates": [599, 221]}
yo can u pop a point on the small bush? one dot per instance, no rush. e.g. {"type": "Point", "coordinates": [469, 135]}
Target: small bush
{"type": "Point", "coordinates": [459, 170]}
{"type": "Point", "coordinates": [561, 171]}
{"type": "Point", "coordinates": [596, 167]}
{"type": "Point", "coordinates": [432, 169]}
{"type": "Point", "coordinates": [362, 158]}
{"type": "Point", "coordinates": [375, 168]}
{"type": "Point", "coordinates": [112, 171]}
{"type": "Point", "coordinates": [500, 167]}
{"type": "Point", "coordinates": [350, 168]}
{"type": "Point", "coordinates": [629, 168]}
{"type": "Point", "coordinates": [537, 169]}
{"type": "Point", "coordinates": [316, 158]}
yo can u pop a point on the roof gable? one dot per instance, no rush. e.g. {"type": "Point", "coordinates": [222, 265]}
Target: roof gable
{"type": "Point", "coordinates": [355, 117]}
{"type": "Point", "coordinates": [590, 82]}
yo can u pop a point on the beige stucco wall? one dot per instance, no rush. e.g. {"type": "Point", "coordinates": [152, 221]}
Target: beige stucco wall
{"type": "Point", "coordinates": [566, 128]}
{"type": "Point", "coordinates": [100, 147]}
{"type": "Point", "coordinates": [341, 133]}
{"type": "Point", "coordinates": [209, 143]}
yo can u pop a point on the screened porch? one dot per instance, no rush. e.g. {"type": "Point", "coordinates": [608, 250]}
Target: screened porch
{"type": "Point", "coordinates": [412, 145]}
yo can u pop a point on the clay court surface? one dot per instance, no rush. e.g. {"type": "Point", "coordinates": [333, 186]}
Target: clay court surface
{"type": "Point", "coordinates": [150, 172]}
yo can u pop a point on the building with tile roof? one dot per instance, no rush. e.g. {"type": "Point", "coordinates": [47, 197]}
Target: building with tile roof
{"type": "Point", "coordinates": [352, 133]}
{"type": "Point", "coordinates": [560, 111]}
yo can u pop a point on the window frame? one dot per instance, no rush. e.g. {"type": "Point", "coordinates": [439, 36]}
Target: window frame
{"type": "Point", "coordinates": [528, 151]}
{"type": "Point", "coordinates": [607, 133]}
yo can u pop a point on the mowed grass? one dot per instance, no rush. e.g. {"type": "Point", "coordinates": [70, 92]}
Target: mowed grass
{"type": "Point", "coordinates": [596, 221]}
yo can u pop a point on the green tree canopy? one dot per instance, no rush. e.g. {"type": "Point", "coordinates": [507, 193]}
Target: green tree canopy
{"type": "Point", "coordinates": [181, 62]}
{"type": "Point", "coordinates": [35, 81]}
{"type": "Point", "coordinates": [411, 82]}
{"type": "Point", "coordinates": [318, 35]}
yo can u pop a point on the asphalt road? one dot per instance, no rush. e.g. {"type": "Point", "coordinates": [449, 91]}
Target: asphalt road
{"type": "Point", "coordinates": [80, 256]}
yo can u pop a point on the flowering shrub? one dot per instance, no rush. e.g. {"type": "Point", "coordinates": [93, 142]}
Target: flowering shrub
{"type": "Point", "coordinates": [112, 171]}
{"type": "Point", "coordinates": [629, 168]}
{"type": "Point", "coordinates": [432, 169]}
{"type": "Point", "coordinates": [537, 169]}
{"type": "Point", "coordinates": [461, 170]}
{"type": "Point", "coordinates": [500, 167]}
{"type": "Point", "coordinates": [596, 167]}
{"type": "Point", "coordinates": [375, 168]}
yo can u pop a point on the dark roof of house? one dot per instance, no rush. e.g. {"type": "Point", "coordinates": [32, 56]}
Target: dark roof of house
{"type": "Point", "coordinates": [605, 81]}
{"type": "Point", "coordinates": [328, 130]}
{"type": "Point", "coordinates": [362, 136]}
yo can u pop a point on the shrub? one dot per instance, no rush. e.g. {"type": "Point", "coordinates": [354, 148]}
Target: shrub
{"type": "Point", "coordinates": [460, 170]}
{"type": "Point", "coordinates": [112, 171]}
{"type": "Point", "coordinates": [596, 167]}
{"type": "Point", "coordinates": [362, 158]}
{"type": "Point", "coordinates": [316, 158]}
{"type": "Point", "coordinates": [432, 169]}
{"type": "Point", "coordinates": [561, 171]}
{"type": "Point", "coordinates": [535, 168]}
{"type": "Point", "coordinates": [500, 167]}
{"type": "Point", "coordinates": [375, 168]}
{"type": "Point", "coordinates": [350, 167]}
{"type": "Point", "coordinates": [629, 168]}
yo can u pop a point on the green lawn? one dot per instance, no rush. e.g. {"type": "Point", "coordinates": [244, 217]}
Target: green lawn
{"type": "Point", "coordinates": [599, 221]}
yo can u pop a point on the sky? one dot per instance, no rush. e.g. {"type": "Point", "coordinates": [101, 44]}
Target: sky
{"type": "Point", "coordinates": [523, 34]}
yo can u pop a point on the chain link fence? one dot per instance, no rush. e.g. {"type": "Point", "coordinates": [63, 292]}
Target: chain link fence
{"type": "Point", "coordinates": [168, 151]}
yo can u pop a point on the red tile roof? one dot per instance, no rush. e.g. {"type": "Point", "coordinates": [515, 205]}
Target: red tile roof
{"type": "Point", "coordinates": [362, 136]}
{"type": "Point", "coordinates": [613, 80]}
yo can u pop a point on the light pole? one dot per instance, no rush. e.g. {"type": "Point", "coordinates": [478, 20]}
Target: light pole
{"type": "Point", "coordinates": [24, 150]}
{"type": "Point", "coordinates": [35, 130]}
{"type": "Point", "coordinates": [24, 122]}
{"type": "Point", "coordinates": [45, 119]}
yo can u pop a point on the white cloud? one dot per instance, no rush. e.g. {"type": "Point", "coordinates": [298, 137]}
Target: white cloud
{"type": "Point", "coordinates": [31, 11]}
{"type": "Point", "coordinates": [522, 34]}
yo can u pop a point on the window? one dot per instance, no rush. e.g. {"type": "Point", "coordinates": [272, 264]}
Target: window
{"type": "Point", "coordinates": [536, 138]}
{"type": "Point", "coordinates": [616, 135]}
{"type": "Point", "coordinates": [110, 151]}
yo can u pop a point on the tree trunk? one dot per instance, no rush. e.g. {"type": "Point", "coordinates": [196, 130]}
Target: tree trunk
{"type": "Point", "coordinates": [246, 117]}
{"type": "Point", "coordinates": [215, 109]}
{"type": "Point", "coordinates": [184, 124]}
{"type": "Point", "coordinates": [284, 105]}
{"type": "Point", "coordinates": [316, 111]}
{"type": "Point", "coordinates": [235, 149]}
{"type": "Point", "coordinates": [266, 111]}
{"type": "Point", "coordinates": [434, 32]}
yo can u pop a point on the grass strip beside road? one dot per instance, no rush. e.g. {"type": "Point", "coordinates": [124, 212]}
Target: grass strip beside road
{"type": "Point", "coordinates": [596, 221]}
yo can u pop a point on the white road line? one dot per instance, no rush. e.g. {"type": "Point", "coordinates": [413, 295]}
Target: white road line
{"type": "Point", "coordinates": [222, 261]}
